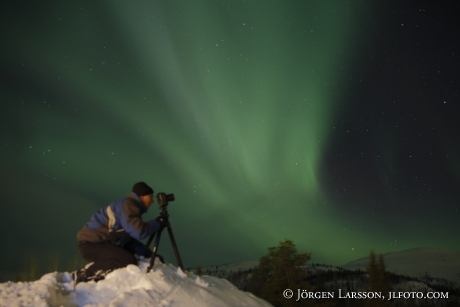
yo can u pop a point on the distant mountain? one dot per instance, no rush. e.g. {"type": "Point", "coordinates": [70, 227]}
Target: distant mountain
{"type": "Point", "coordinates": [417, 262]}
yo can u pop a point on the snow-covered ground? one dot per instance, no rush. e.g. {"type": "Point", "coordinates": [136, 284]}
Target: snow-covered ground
{"type": "Point", "coordinates": [167, 285]}
{"type": "Point", "coordinates": [164, 286]}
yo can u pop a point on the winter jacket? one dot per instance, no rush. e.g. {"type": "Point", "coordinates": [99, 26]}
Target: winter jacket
{"type": "Point", "coordinates": [119, 223]}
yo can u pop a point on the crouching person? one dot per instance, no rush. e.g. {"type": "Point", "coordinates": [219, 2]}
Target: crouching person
{"type": "Point", "coordinates": [111, 239]}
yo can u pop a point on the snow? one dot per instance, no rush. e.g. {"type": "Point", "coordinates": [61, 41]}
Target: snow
{"type": "Point", "coordinates": [165, 285]}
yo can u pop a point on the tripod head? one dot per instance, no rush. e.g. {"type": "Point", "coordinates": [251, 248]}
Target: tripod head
{"type": "Point", "coordinates": [163, 200]}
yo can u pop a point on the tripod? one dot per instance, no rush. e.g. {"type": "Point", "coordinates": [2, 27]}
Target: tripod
{"type": "Point", "coordinates": [164, 214]}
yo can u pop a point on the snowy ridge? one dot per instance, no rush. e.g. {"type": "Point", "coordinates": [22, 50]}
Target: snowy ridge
{"type": "Point", "coordinates": [226, 268]}
{"type": "Point", "coordinates": [164, 286]}
{"type": "Point", "coordinates": [418, 262]}
{"type": "Point", "coordinates": [415, 262]}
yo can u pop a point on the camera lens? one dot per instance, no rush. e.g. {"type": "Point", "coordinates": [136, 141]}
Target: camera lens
{"type": "Point", "coordinates": [170, 197]}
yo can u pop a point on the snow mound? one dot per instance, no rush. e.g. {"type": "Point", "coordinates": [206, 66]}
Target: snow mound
{"type": "Point", "coordinates": [164, 286]}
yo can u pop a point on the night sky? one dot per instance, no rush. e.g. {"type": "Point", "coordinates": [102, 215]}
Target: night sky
{"type": "Point", "coordinates": [333, 124]}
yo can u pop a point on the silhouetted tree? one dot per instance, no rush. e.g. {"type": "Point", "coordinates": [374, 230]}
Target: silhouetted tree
{"type": "Point", "coordinates": [283, 268]}
{"type": "Point", "coordinates": [377, 279]}
{"type": "Point", "coordinates": [199, 270]}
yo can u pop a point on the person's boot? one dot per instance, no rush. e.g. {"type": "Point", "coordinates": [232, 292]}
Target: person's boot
{"type": "Point", "coordinates": [79, 276]}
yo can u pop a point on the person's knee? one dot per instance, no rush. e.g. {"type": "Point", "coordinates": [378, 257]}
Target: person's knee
{"type": "Point", "coordinates": [126, 259]}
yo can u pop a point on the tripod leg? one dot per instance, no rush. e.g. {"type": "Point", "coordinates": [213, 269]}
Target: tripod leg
{"type": "Point", "coordinates": [149, 241]}
{"type": "Point", "coordinates": [176, 251]}
{"type": "Point", "coordinates": [154, 250]}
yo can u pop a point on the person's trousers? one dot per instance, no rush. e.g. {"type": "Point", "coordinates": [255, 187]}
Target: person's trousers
{"type": "Point", "coordinates": [105, 256]}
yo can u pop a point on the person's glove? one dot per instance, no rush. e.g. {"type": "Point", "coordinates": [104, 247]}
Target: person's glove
{"type": "Point", "coordinates": [163, 221]}
{"type": "Point", "coordinates": [147, 252]}
{"type": "Point", "coordinates": [142, 250]}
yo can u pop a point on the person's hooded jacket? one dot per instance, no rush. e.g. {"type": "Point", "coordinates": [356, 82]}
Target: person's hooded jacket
{"type": "Point", "coordinates": [119, 223]}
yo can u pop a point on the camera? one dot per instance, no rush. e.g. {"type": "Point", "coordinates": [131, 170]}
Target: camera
{"type": "Point", "coordinates": [163, 199]}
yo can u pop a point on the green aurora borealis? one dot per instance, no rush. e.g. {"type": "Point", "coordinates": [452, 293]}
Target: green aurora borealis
{"type": "Point", "coordinates": [267, 119]}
